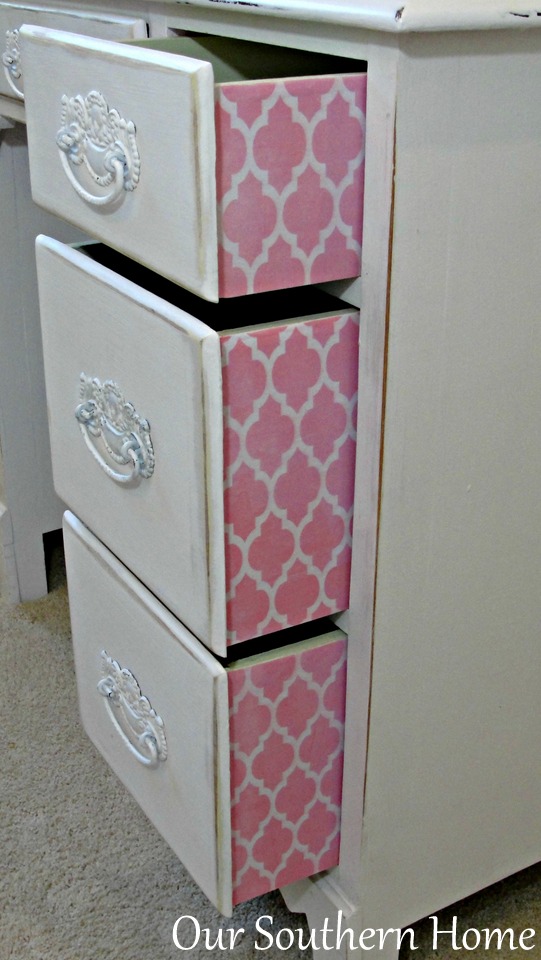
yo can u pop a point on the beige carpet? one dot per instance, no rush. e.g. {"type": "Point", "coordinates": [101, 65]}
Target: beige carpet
{"type": "Point", "coordinates": [84, 876]}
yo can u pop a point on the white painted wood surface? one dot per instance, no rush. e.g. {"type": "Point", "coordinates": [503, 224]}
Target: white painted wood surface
{"type": "Point", "coordinates": [169, 220]}
{"type": "Point", "coordinates": [164, 91]}
{"type": "Point", "coordinates": [27, 498]}
{"type": "Point", "coordinates": [13, 15]}
{"type": "Point", "coordinates": [453, 781]}
{"type": "Point", "coordinates": [187, 795]}
{"type": "Point", "coordinates": [455, 662]}
{"type": "Point", "coordinates": [389, 16]}
{"type": "Point", "coordinates": [167, 364]}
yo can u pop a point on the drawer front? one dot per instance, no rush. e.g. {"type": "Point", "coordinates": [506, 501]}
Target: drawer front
{"type": "Point", "coordinates": [226, 188]}
{"type": "Point", "coordinates": [121, 143]}
{"type": "Point", "coordinates": [182, 783]}
{"type": "Point", "coordinates": [142, 362]}
{"type": "Point", "coordinates": [239, 518]}
{"type": "Point", "coordinates": [240, 769]}
{"type": "Point", "coordinates": [14, 15]}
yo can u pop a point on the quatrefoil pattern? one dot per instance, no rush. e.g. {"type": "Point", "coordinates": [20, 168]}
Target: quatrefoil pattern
{"type": "Point", "coordinates": [290, 180]}
{"type": "Point", "coordinates": [287, 741]}
{"type": "Point", "coordinates": [290, 395]}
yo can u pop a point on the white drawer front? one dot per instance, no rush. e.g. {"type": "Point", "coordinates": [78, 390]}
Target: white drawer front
{"type": "Point", "coordinates": [14, 15]}
{"type": "Point", "coordinates": [240, 768]}
{"type": "Point", "coordinates": [167, 527]}
{"type": "Point", "coordinates": [160, 106]}
{"type": "Point", "coordinates": [184, 795]}
{"type": "Point", "coordinates": [227, 188]}
{"type": "Point", "coordinates": [236, 509]}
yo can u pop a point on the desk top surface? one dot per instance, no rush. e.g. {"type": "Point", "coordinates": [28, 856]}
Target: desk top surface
{"type": "Point", "coordinates": [398, 16]}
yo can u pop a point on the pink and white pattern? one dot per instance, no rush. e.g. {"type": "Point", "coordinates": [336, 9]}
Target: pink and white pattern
{"type": "Point", "coordinates": [287, 741]}
{"type": "Point", "coordinates": [290, 180]}
{"type": "Point", "coordinates": [289, 396]}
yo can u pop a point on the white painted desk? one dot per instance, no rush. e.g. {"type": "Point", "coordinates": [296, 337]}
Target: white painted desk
{"type": "Point", "coordinates": [442, 787]}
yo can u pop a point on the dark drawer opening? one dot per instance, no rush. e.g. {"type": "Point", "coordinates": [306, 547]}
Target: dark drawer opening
{"type": "Point", "coordinates": [233, 313]}
{"type": "Point", "coordinates": [240, 60]}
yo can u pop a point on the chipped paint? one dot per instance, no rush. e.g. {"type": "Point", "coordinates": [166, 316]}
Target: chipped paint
{"type": "Point", "coordinates": [526, 15]}
{"type": "Point", "coordinates": [235, 3]}
{"type": "Point", "coordinates": [414, 16]}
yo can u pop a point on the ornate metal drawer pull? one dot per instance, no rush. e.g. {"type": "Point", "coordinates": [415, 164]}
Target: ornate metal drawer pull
{"type": "Point", "coordinates": [11, 60]}
{"type": "Point", "coordinates": [105, 416]}
{"type": "Point", "coordinates": [131, 713]}
{"type": "Point", "coordinates": [100, 143]}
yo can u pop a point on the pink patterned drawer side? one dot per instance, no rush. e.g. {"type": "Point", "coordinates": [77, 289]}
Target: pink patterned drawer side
{"type": "Point", "coordinates": [290, 396]}
{"type": "Point", "coordinates": [287, 734]}
{"type": "Point", "coordinates": [290, 181]}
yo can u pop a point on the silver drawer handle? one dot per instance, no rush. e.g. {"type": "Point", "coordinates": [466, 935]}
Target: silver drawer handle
{"type": "Point", "coordinates": [131, 713]}
{"type": "Point", "coordinates": [106, 417]}
{"type": "Point", "coordinates": [98, 141]}
{"type": "Point", "coordinates": [11, 60]}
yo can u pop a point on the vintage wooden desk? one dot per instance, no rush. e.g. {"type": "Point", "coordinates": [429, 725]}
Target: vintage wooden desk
{"type": "Point", "coordinates": [441, 778]}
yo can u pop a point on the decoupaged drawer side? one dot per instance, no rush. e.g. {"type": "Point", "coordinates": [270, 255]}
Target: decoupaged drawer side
{"type": "Point", "coordinates": [290, 400]}
{"type": "Point", "coordinates": [286, 717]}
{"type": "Point", "coordinates": [292, 150]}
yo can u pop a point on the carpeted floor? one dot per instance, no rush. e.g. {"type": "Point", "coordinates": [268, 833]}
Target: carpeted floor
{"type": "Point", "coordinates": [84, 876]}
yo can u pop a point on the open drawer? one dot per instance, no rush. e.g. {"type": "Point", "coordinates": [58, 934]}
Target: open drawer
{"type": "Point", "coordinates": [218, 464]}
{"type": "Point", "coordinates": [227, 166]}
{"type": "Point", "coordinates": [90, 23]}
{"type": "Point", "coordinates": [239, 766]}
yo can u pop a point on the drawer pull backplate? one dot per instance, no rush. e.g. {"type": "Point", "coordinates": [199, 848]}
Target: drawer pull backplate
{"type": "Point", "coordinates": [11, 60]}
{"type": "Point", "coordinates": [104, 415]}
{"type": "Point", "coordinates": [137, 722]}
{"type": "Point", "coordinates": [97, 145]}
